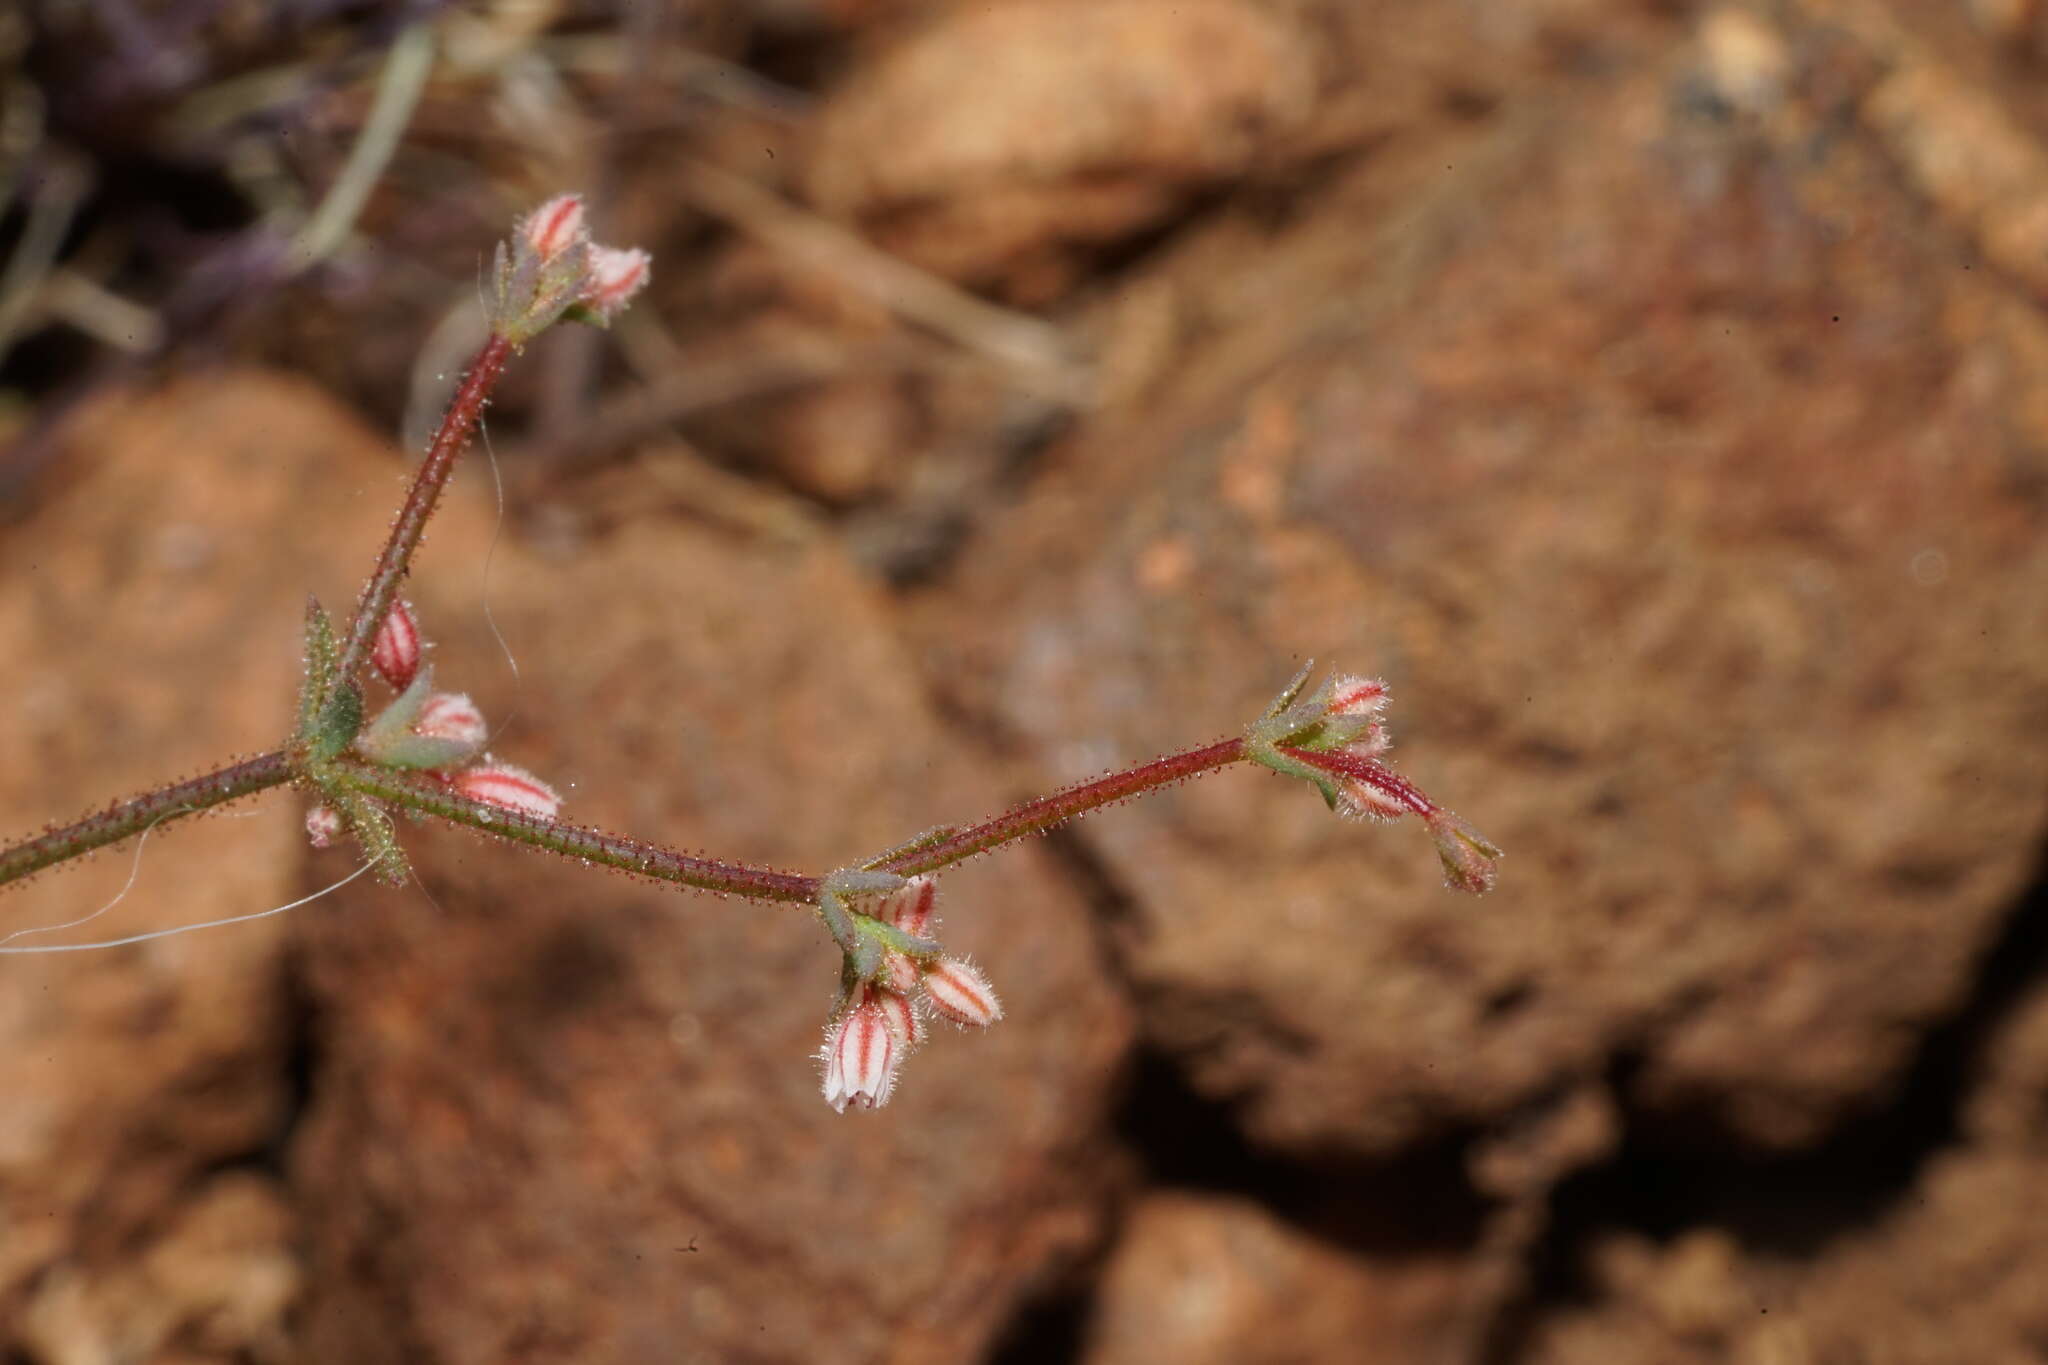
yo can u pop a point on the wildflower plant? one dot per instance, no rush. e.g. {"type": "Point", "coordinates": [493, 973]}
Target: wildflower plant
{"type": "Point", "coordinates": [375, 734]}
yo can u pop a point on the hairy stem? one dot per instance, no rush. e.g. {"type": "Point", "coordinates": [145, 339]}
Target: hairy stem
{"type": "Point", "coordinates": [277, 768]}
{"type": "Point", "coordinates": [1035, 817]}
{"type": "Point", "coordinates": [273, 769]}
{"type": "Point", "coordinates": [429, 797]}
{"type": "Point", "coordinates": [448, 443]}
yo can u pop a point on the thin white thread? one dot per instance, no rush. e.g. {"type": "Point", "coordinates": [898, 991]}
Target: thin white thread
{"type": "Point", "coordinates": [134, 869]}
{"type": "Point", "coordinates": [483, 432]}
{"type": "Point", "coordinates": [182, 928]}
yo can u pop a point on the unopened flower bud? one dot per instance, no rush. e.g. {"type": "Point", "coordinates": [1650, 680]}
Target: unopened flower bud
{"type": "Point", "coordinates": [1361, 800]}
{"type": "Point", "coordinates": [501, 784]}
{"type": "Point", "coordinates": [1376, 740]}
{"type": "Point", "coordinates": [323, 826]}
{"type": "Point", "coordinates": [454, 717]}
{"type": "Point", "coordinates": [1471, 861]}
{"type": "Point", "coordinates": [910, 907]}
{"type": "Point", "coordinates": [555, 226]}
{"type": "Point", "coordinates": [861, 1055]}
{"type": "Point", "coordinates": [902, 1016]}
{"type": "Point", "coordinates": [616, 275]}
{"type": "Point", "coordinates": [1355, 696]}
{"type": "Point", "coordinates": [959, 991]}
{"type": "Point", "coordinates": [899, 971]}
{"type": "Point", "coordinates": [396, 650]}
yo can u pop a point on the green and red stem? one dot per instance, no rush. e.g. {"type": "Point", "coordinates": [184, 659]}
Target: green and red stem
{"type": "Point", "coordinates": [130, 818]}
{"type": "Point", "coordinates": [426, 796]}
{"type": "Point", "coordinates": [464, 410]}
{"type": "Point", "coordinates": [1035, 817]}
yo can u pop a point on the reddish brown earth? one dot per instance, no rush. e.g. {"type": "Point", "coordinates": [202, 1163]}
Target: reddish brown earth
{"type": "Point", "coordinates": [1657, 395]}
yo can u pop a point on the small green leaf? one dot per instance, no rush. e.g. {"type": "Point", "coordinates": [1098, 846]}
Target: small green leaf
{"type": "Point", "coordinates": [1291, 767]}
{"type": "Point", "coordinates": [371, 825]}
{"type": "Point", "coordinates": [889, 936]}
{"type": "Point", "coordinates": [1290, 692]}
{"type": "Point", "coordinates": [340, 718]}
{"type": "Point", "coordinates": [421, 753]}
{"type": "Point", "coordinates": [323, 665]}
{"type": "Point", "coordinates": [389, 740]}
{"type": "Point", "coordinates": [1333, 733]}
{"type": "Point", "coordinates": [862, 881]}
{"type": "Point", "coordinates": [838, 920]}
{"type": "Point", "coordinates": [866, 957]}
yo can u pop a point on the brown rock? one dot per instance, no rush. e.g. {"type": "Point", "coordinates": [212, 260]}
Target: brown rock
{"type": "Point", "coordinates": [1952, 1268]}
{"type": "Point", "coordinates": [562, 1113]}
{"type": "Point", "coordinates": [151, 625]}
{"type": "Point", "coordinates": [1199, 1279]}
{"type": "Point", "coordinates": [214, 1286]}
{"type": "Point", "coordinates": [1003, 132]}
{"type": "Point", "coordinates": [1687, 488]}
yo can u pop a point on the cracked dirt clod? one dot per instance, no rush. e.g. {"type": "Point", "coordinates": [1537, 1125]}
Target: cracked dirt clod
{"type": "Point", "coordinates": [1772, 787]}
{"type": "Point", "coordinates": [1010, 132]}
{"type": "Point", "coordinates": [1200, 1279]}
{"type": "Point", "coordinates": [150, 622]}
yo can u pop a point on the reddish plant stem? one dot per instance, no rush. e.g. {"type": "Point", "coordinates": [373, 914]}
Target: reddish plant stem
{"type": "Point", "coordinates": [133, 817]}
{"type": "Point", "coordinates": [577, 841]}
{"type": "Point", "coordinates": [392, 565]}
{"type": "Point", "coordinates": [1035, 817]}
{"type": "Point", "coordinates": [764, 884]}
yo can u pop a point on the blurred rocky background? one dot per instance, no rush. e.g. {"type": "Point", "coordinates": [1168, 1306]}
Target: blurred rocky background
{"type": "Point", "coordinates": [1656, 393]}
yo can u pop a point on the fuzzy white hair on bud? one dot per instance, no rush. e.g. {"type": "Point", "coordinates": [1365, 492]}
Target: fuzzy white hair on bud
{"type": "Point", "coordinates": [1355, 696]}
{"type": "Point", "coordinates": [958, 990]}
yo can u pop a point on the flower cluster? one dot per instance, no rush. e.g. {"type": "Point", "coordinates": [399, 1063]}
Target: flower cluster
{"type": "Point", "coordinates": [551, 270]}
{"type": "Point", "coordinates": [1334, 740]}
{"type": "Point", "coordinates": [440, 735]}
{"type": "Point", "coordinates": [894, 976]}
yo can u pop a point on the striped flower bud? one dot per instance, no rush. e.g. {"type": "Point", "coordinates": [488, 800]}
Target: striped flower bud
{"type": "Point", "coordinates": [1360, 800]}
{"type": "Point", "coordinates": [902, 1016]}
{"type": "Point", "coordinates": [616, 275]}
{"type": "Point", "coordinates": [501, 784]}
{"type": "Point", "coordinates": [911, 907]}
{"type": "Point", "coordinates": [454, 717]}
{"type": "Point", "coordinates": [899, 972]}
{"type": "Point", "coordinates": [1355, 696]}
{"type": "Point", "coordinates": [395, 652]}
{"type": "Point", "coordinates": [961, 993]}
{"type": "Point", "coordinates": [555, 226]}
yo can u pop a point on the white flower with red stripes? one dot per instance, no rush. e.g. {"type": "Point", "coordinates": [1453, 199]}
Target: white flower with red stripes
{"type": "Point", "coordinates": [894, 976]}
